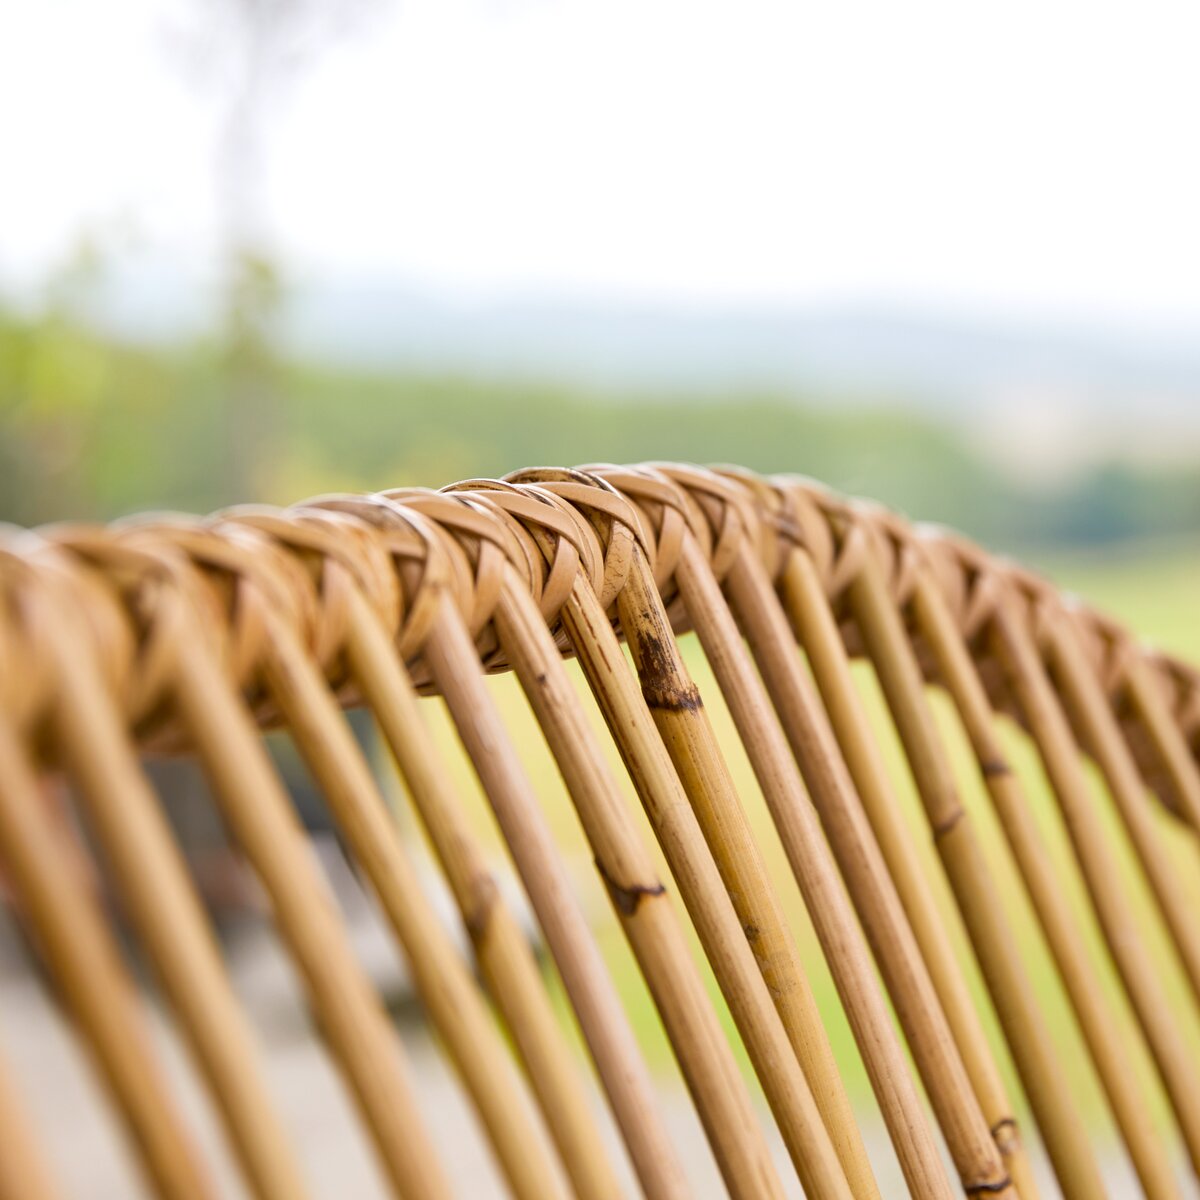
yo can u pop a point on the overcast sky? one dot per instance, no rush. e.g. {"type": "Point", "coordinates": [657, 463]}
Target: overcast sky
{"type": "Point", "coordinates": [1032, 157]}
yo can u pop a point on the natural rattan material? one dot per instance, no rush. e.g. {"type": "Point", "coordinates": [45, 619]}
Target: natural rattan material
{"type": "Point", "coordinates": [186, 636]}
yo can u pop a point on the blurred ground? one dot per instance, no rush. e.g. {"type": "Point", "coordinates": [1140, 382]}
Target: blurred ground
{"type": "Point", "coordinates": [93, 1163]}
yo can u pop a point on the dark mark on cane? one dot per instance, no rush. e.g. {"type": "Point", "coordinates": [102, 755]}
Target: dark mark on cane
{"type": "Point", "coordinates": [663, 687]}
{"type": "Point", "coordinates": [944, 827]}
{"type": "Point", "coordinates": [687, 700]}
{"type": "Point", "coordinates": [628, 897]}
{"type": "Point", "coordinates": [989, 1189]}
{"type": "Point", "coordinates": [484, 897]}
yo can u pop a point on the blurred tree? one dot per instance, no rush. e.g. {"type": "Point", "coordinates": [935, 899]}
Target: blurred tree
{"type": "Point", "coordinates": [53, 373]}
{"type": "Point", "coordinates": [251, 52]}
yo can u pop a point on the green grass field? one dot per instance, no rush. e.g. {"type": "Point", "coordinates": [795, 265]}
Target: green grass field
{"type": "Point", "coordinates": [1155, 591]}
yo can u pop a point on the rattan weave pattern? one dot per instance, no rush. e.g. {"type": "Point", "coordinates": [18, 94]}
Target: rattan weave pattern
{"type": "Point", "coordinates": [189, 636]}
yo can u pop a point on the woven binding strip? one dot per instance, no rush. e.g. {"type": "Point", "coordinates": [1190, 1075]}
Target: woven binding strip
{"type": "Point", "coordinates": [189, 637]}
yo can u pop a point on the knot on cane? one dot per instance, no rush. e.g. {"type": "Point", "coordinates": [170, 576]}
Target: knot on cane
{"type": "Point", "coordinates": [840, 550]}
{"type": "Point", "coordinates": [137, 602]}
{"type": "Point", "coordinates": [721, 513]}
{"type": "Point", "coordinates": [341, 556]}
{"type": "Point", "coordinates": [896, 546]}
{"type": "Point", "coordinates": [428, 565]}
{"type": "Point", "coordinates": [615, 522]}
{"type": "Point", "coordinates": [777, 531]}
{"type": "Point", "coordinates": [548, 541]}
{"type": "Point", "coordinates": [474, 536]}
{"type": "Point", "coordinates": [256, 585]}
{"type": "Point", "coordinates": [41, 586]}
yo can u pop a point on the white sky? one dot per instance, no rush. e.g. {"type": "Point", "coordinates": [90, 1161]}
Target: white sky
{"type": "Point", "coordinates": [1038, 156]}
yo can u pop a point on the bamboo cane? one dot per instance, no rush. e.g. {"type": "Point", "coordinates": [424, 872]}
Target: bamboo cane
{"type": "Point", "coordinates": [109, 654]}
{"type": "Point", "coordinates": [678, 713]}
{"type": "Point", "coordinates": [163, 905]}
{"type": "Point", "coordinates": [501, 947]}
{"type": "Point", "coordinates": [812, 619]}
{"type": "Point", "coordinates": [427, 567]}
{"type": "Point", "coordinates": [1082, 695]}
{"type": "Point", "coordinates": [348, 1012]}
{"type": "Point", "coordinates": [23, 1171]}
{"type": "Point", "coordinates": [454, 665]}
{"type": "Point", "coordinates": [95, 984]}
{"type": "Point", "coordinates": [976, 1157]}
{"type": "Point", "coordinates": [689, 858]}
{"type": "Point", "coordinates": [692, 864]}
{"type": "Point", "coordinates": [644, 908]}
{"type": "Point", "coordinates": [970, 879]}
{"type": "Point", "coordinates": [445, 985]}
{"type": "Point", "coordinates": [1014, 648]}
{"type": "Point", "coordinates": [1115, 1044]}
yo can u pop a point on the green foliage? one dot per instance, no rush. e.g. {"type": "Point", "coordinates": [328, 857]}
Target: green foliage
{"type": "Point", "coordinates": [93, 428]}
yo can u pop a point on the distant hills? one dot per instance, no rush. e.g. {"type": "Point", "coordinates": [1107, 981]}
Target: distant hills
{"type": "Point", "coordinates": [123, 395]}
{"type": "Point", "coordinates": [1039, 397]}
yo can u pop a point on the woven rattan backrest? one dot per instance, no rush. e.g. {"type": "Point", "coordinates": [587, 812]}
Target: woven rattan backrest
{"type": "Point", "coordinates": [180, 637]}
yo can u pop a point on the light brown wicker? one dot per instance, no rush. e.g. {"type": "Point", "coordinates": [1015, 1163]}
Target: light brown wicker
{"type": "Point", "coordinates": [181, 636]}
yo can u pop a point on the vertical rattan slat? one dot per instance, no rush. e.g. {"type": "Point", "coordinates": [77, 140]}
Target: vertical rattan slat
{"type": "Point", "coordinates": [501, 948]}
{"type": "Point", "coordinates": [1014, 647]}
{"type": "Point", "coordinates": [970, 879]}
{"type": "Point", "coordinates": [255, 805]}
{"type": "Point", "coordinates": [816, 629]}
{"type": "Point", "coordinates": [95, 986]}
{"type": "Point", "coordinates": [1113, 1041]}
{"type": "Point", "coordinates": [162, 903]}
{"type": "Point", "coordinates": [191, 637]}
{"type": "Point", "coordinates": [720, 1097]}
{"type": "Point", "coordinates": [454, 665]}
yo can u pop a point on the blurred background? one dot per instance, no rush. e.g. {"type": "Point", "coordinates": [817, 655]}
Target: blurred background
{"type": "Point", "coordinates": [944, 256]}
{"type": "Point", "coordinates": [252, 249]}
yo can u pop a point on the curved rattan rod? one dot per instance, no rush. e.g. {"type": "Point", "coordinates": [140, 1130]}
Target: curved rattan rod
{"type": "Point", "coordinates": [1155, 697]}
{"type": "Point", "coordinates": [293, 598]}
